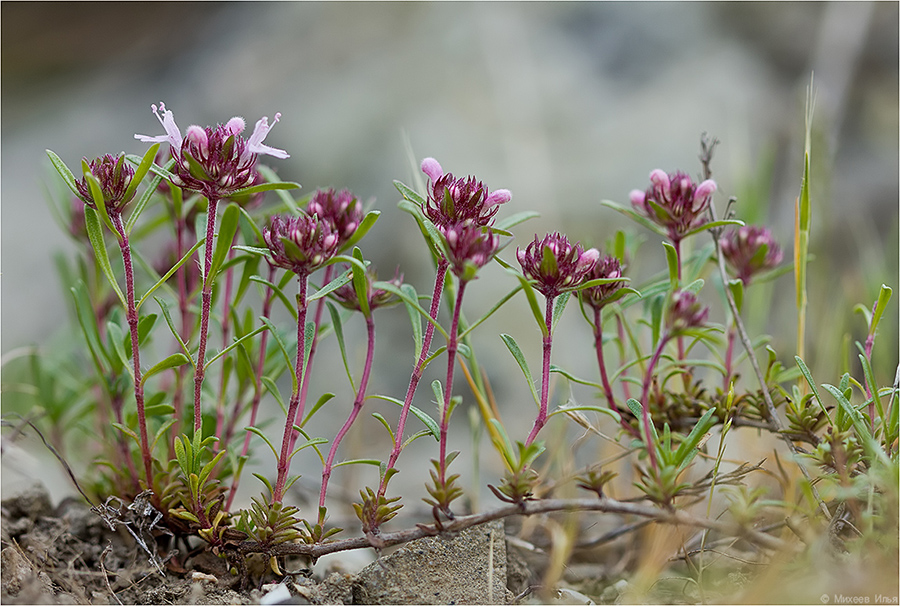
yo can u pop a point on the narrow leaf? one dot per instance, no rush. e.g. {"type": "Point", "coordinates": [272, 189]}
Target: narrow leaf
{"type": "Point", "coordinates": [523, 364]}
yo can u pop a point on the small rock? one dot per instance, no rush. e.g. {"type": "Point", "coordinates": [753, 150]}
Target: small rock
{"type": "Point", "coordinates": [32, 502]}
{"type": "Point", "coordinates": [468, 569]}
{"type": "Point", "coordinates": [15, 570]}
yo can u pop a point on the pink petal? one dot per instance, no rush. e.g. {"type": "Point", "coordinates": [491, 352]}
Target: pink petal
{"type": "Point", "coordinates": [499, 196]}
{"type": "Point", "coordinates": [255, 144]}
{"type": "Point", "coordinates": [431, 168]}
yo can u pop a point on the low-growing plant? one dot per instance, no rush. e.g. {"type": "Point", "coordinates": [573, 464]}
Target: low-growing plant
{"type": "Point", "coordinates": [175, 418]}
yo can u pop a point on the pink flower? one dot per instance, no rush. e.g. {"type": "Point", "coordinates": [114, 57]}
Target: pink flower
{"type": "Point", "coordinates": [749, 250]}
{"type": "Point", "coordinates": [607, 267]}
{"type": "Point", "coordinates": [674, 202]}
{"type": "Point", "coordinates": [555, 265]}
{"type": "Point", "coordinates": [685, 311]}
{"type": "Point", "coordinates": [341, 209]}
{"type": "Point", "coordinates": [300, 244]}
{"type": "Point", "coordinates": [214, 161]}
{"type": "Point", "coordinates": [114, 175]}
{"type": "Point", "coordinates": [470, 248]}
{"type": "Point", "coordinates": [452, 201]}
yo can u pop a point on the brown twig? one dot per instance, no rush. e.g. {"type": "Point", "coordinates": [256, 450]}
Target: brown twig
{"type": "Point", "coordinates": [460, 523]}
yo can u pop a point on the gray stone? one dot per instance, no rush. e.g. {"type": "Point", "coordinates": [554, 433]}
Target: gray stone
{"type": "Point", "coordinates": [467, 569]}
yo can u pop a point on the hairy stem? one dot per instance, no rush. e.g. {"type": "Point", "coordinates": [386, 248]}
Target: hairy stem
{"type": "Point", "coordinates": [452, 348]}
{"type": "Point", "coordinates": [607, 387]}
{"type": "Point", "coordinates": [354, 412]}
{"type": "Point", "coordinates": [645, 400]}
{"type": "Point", "coordinates": [541, 419]}
{"type": "Point", "coordinates": [284, 460]}
{"type": "Point", "coordinates": [132, 314]}
{"type": "Point", "coordinates": [304, 386]}
{"type": "Point", "coordinates": [417, 371]}
{"type": "Point", "coordinates": [204, 311]}
{"type": "Point", "coordinates": [257, 392]}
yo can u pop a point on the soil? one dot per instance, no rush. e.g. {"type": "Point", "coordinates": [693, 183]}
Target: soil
{"type": "Point", "coordinates": [69, 555]}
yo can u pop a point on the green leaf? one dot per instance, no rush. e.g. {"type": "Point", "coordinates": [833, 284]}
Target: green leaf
{"type": "Point", "coordinates": [319, 404]}
{"type": "Point", "coordinates": [284, 351]}
{"type": "Point", "coordinates": [331, 286]}
{"type": "Point", "coordinates": [88, 322]}
{"type": "Point", "coordinates": [409, 194]}
{"type": "Point", "coordinates": [496, 306]}
{"type": "Point", "coordinates": [812, 385]}
{"type": "Point", "coordinates": [523, 364]}
{"type": "Point", "coordinates": [429, 423]}
{"type": "Point", "coordinates": [168, 316]}
{"type": "Point", "coordinates": [688, 448]}
{"type": "Point", "coordinates": [172, 361]}
{"type": "Point", "coordinates": [99, 201]}
{"type": "Point", "coordinates": [873, 386]}
{"type": "Point", "coordinates": [289, 305]}
{"type": "Point", "coordinates": [414, 318]}
{"type": "Point", "coordinates": [338, 327]}
{"type": "Point", "coordinates": [405, 297]}
{"type": "Point", "coordinates": [256, 189]}
{"type": "Point", "coordinates": [714, 224]}
{"type": "Point", "coordinates": [574, 379]}
{"type": "Point", "coordinates": [515, 219]}
{"type": "Point", "coordinates": [236, 343]}
{"type": "Point", "coordinates": [63, 171]}
{"type": "Point", "coordinates": [384, 422]}
{"type": "Point", "coordinates": [672, 263]}
{"type": "Point", "coordinates": [115, 336]}
{"type": "Point", "coordinates": [361, 282]}
{"type": "Point", "coordinates": [169, 273]}
{"type": "Point", "coordinates": [439, 396]}
{"type": "Point", "coordinates": [227, 230]}
{"type": "Point", "coordinates": [364, 226]}
{"type": "Point", "coordinates": [159, 410]}
{"type": "Point", "coordinates": [374, 462]}
{"type": "Point", "coordinates": [141, 171]}
{"type": "Point", "coordinates": [601, 409]}
{"type": "Point", "coordinates": [883, 297]}
{"type": "Point", "coordinates": [127, 431]}
{"type": "Point", "coordinates": [272, 388]}
{"type": "Point", "coordinates": [640, 219]}
{"type": "Point", "coordinates": [532, 303]}
{"type": "Point", "coordinates": [145, 197]}
{"type": "Point", "coordinates": [259, 432]}
{"type": "Point", "coordinates": [737, 292]}
{"type": "Point", "coordinates": [95, 234]}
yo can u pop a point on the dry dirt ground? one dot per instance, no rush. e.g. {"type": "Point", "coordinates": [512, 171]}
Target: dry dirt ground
{"type": "Point", "coordinates": [69, 555]}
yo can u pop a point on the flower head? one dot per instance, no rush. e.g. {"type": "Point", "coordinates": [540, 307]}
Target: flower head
{"type": "Point", "coordinates": [750, 249]}
{"type": "Point", "coordinates": [470, 248]}
{"type": "Point", "coordinates": [378, 297]}
{"type": "Point", "coordinates": [607, 267]}
{"type": "Point", "coordinates": [452, 201]}
{"type": "Point", "coordinates": [114, 176]}
{"type": "Point", "coordinates": [674, 202]}
{"type": "Point", "coordinates": [214, 161]}
{"type": "Point", "coordinates": [300, 244]}
{"type": "Point", "coordinates": [555, 264]}
{"type": "Point", "coordinates": [341, 209]}
{"type": "Point", "coordinates": [685, 311]}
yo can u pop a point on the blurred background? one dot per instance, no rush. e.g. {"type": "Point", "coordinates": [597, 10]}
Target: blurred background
{"type": "Point", "coordinates": [565, 104]}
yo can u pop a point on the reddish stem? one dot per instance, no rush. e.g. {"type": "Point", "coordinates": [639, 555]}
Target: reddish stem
{"type": "Point", "coordinates": [204, 311]}
{"type": "Point", "coordinates": [354, 412]}
{"type": "Point", "coordinates": [132, 314]}
{"type": "Point", "coordinates": [257, 393]}
{"type": "Point", "coordinates": [541, 419]}
{"type": "Point", "coordinates": [452, 348]}
{"type": "Point", "coordinates": [304, 385]}
{"type": "Point", "coordinates": [284, 460]}
{"type": "Point", "coordinates": [645, 403]}
{"type": "Point", "coordinates": [417, 371]}
{"type": "Point", "coordinates": [607, 387]}
{"type": "Point", "coordinates": [226, 335]}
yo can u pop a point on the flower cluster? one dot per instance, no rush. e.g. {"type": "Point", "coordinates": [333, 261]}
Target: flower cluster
{"type": "Point", "coordinates": [750, 250]}
{"type": "Point", "coordinates": [377, 297]}
{"type": "Point", "coordinates": [214, 161]}
{"type": "Point", "coordinates": [470, 248]}
{"type": "Point", "coordinates": [453, 201]}
{"type": "Point", "coordinates": [555, 264]}
{"type": "Point", "coordinates": [685, 311]}
{"type": "Point", "coordinates": [674, 202]}
{"type": "Point", "coordinates": [342, 210]}
{"type": "Point", "coordinates": [463, 211]}
{"type": "Point", "coordinates": [300, 244]}
{"type": "Point", "coordinates": [114, 176]}
{"type": "Point", "coordinates": [607, 267]}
